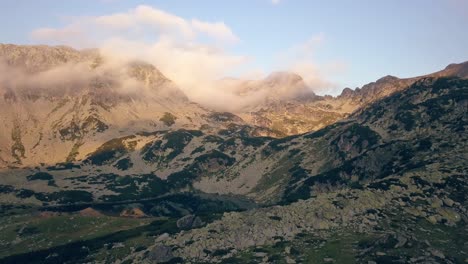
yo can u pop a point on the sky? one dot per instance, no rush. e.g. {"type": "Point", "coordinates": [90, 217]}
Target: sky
{"type": "Point", "coordinates": [332, 44]}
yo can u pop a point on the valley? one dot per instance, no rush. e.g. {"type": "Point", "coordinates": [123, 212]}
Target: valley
{"type": "Point", "coordinates": [118, 165]}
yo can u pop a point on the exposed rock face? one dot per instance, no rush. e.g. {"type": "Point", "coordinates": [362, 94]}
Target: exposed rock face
{"type": "Point", "coordinates": [278, 86]}
{"type": "Point", "coordinates": [189, 221]}
{"type": "Point", "coordinates": [160, 254]}
{"type": "Point", "coordinates": [41, 58]}
{"type": "Point", "coordinates": [382, 182]}
{"type": "Point", "coordinates": [51, 114]}
{"type": "Point", "coordinates": [306, 112]}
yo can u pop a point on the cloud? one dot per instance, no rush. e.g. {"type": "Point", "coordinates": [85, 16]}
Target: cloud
{"type": "Point", "coordinates": [191, 52]}
{"type": "Point", "coordinates": [141, 19]}
{"type": "Point", "coordinates": [218, 30]}
{"type": "Point", "coordinates": [275, 2]}
{"type": "Point", "coordinates": [301, 59]}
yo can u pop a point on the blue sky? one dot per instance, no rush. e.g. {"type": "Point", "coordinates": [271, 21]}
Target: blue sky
{"type": "Point", "coordinates": [358, 41]}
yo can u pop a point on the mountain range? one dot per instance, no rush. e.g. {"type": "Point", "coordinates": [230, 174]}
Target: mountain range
{"type": "Point", "coordinates": [375, 175]}
{"type": "Point", "coordinates": [51, 114]}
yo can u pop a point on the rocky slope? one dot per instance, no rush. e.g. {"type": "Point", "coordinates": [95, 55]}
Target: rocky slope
{"type": "Point", "coordinates": [388, 173]}
{"type": "Point", "coordinates": [303, 112]}
{"type": "Point", "coordinates": [136, 173]}
{"type": "Point", "coordinates": [58, 104]}
{"type": "Point", "coordinates": [386, 184]}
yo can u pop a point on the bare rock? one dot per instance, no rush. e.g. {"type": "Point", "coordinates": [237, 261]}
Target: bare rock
{"type": "Point", "coordinates": [189, 222]}
{"type": "Point", "coordinates": [448, 202]}
{"type": "Point", "coordinates": [160, 254]}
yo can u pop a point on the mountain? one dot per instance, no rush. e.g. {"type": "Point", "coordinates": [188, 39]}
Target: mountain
{"type": "Point", "coordinates": [58, 104]}
{"type": "Point", "coordinates": [308, 112]}
{"type": "Point", "coordinates": [105, 161]}
{"type": "Point", "coordinates": [379, 186]}
{"type": "Point", "coordinates": [51, 114]}
{"type": "Point", "coordinates": [278, 86]}
{"type": "Point", "coordinates": [386, 184]}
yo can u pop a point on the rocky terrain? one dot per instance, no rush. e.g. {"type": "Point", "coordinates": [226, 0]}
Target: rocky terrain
{"type": "Point", "coordinates": [51, 114]}
{"type": "Point", "coordinates": [399, 202]}
{"type": "Point", "coordinates": [302, 111]}
{"type": "Point", "coordinates": [117, 165]}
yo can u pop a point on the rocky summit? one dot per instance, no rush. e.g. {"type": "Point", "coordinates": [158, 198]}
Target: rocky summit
{"type": "Point", "coordinates": [105, 161]}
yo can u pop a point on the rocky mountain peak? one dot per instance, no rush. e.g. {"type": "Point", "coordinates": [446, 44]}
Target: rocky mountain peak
{"type": "Point", "coordinates": [454, 69]}
{"type": "Point", "coordinates": [280, 86]}
{"type": "Point", "coordinates": [346, 93]}
{"type": "Point", "coordinates": [387, 78]}
{"type": "Point", "coordinates": [35, 58]}
{"type": "Point", "coordinates": [50, 72]}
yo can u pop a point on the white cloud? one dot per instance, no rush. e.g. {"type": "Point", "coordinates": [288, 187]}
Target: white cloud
{"type": "Point", "coordinates": [191, 52]}
{"type": "Point", "coordinates": [142, 19]}
{"type": "Point", "coordinates": [301, 59]}
{"type": "Point", "coordinates": [218, 30]}
{"type": "Point", "coordinates": [275, 2]}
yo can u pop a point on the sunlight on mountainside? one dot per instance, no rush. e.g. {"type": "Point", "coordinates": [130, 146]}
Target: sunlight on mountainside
{"type": "Point", "coordinates": [215, 132]}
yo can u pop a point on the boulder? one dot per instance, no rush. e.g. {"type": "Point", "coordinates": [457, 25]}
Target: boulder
{"type": "Point", "coordinates": [289, 260]}
{"type": "Point", "coordinates": [448, 202]}
{"type": "Point", "coordinates": [401, 241]}
{"type": "Point", "coordinates": [160, 254]}
{"type": "Point", "coordinates": [437, 253]}
{"type": "Point", "coordinates": [162, 237]}
{"type": "Point", "coordinates": [189, 222]}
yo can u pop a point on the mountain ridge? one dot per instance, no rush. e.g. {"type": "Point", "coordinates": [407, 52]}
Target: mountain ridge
{"type": "Point", "coordinates": [392, 173]}
{"type": "Point", "coordinates": [52, 115]}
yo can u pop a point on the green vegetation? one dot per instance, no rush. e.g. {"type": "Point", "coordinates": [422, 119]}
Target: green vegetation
{"type": "Point", "coordinates": [111, 151]}
{"type": "Point", "coordinates": [175, 141]}
{"type": "Point", "coordinates": [92, 123]}
{"type": "Point", "coordinates": [181, 179]}
{"type": "Point", "coordinates": [221, 158]}
{"type": "Point", "coordinates": [17, 150]}
{"type": "Point", "coordinates": [168, 119]}
{"type": "Point", "coordinates": [407, 118]}
{"type": "Point", "coordinates": [64, 197]}
{"type": "Point", "coordinates": [124, 164]}
{"type": "Point", "coordinates": [340, 247]}
{"type": "Point", "coordinates": [38, 233]}
{"type": "Point", "coordinates": [71, 132]}
{"type": "Point", "coordinates": [74, 151]}
{"type": "Point", "coordinates": [44, 176]}
{"type": "Point", "coordinates": [148, 151]}
{"type": "Point", "coordinates": [403, 154]}
{"type": "Point", "coordinates": [326, 130]}
{"type": "Point", "coordinates": [134, 188]}
{"type": "Point", "coordinates": [224, 117]}
{"type": "Point", "coordinates": [75, 238]}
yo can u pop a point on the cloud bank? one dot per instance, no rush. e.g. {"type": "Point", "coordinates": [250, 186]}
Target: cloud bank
{"type": "Point", "coordinates": [191, 52]}
{"type": "Point", "coordinates": [63, 80]}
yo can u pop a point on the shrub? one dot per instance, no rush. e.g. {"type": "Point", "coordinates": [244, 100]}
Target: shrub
{"type": "Point", "coordinates": [168, 119]}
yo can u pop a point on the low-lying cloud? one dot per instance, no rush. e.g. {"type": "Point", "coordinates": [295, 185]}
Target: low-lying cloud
{"type": "Point", "coordinates": [191, 52]}
{"type": "Point", "coordinates": [73, 78]}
